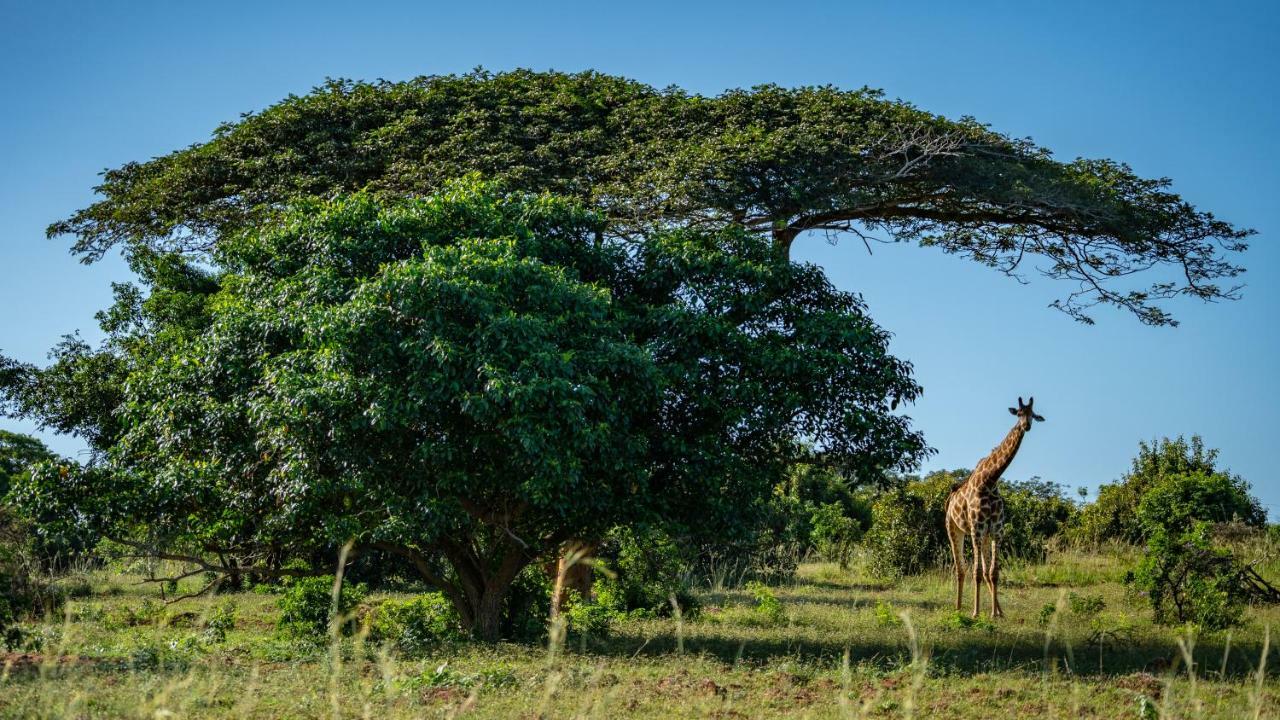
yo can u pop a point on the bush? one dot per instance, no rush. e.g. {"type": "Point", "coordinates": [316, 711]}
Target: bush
{"type": "Point", "coordinates": [1113, 517]}
{"type": "Point", "coordinates": [22, 594]}
{"type": "Point", "coordinates": [834, 534]}
{"type": "Point", "coordinates": [306, 606]}
{"type": "Point", "coordinates": [908, 533]}
{"type": "Point", "coordinates": [590, 618]}
{"type": "Point", "coordinates": [1188, 580]}
{"type": "Point", "coordinates": [1174, 502]}
{"type": "Point", "coordinates": [1086, 605]}
{"type": "Point", "coordinates": [768, 606]}
{"type": "Point", "coordinates": [1035, 512]}
{"type": "Point", "coordinates": [415, 626]}
{"type": "Point", "coordinates": [901, 540]}
{"type": "Point", "coordinates": [887, 615]}
{"type": "Point", "coordinates": [528, 605]}
{"type": "Point", "coordinates": [220, 621]}
{"type": "Point", "coordinates": [648, 568]}
{"type": "Point", "coordinates": [908, 530]}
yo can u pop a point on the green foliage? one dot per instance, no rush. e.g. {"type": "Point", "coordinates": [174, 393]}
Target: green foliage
{"type": "Point", "coordinates": [1114, 516]}
{"type": "Point", "coordinates": [307, 607]}
{"type": "Point", "coordinates": [958, 620]}
{"type": "Point", "coordinates": [527, 607]}
{"type": "Point", "coordinates": [782, 160]}
{"type": "Point", "coordinates": [591, 618]}
{"type": "Point", "coordinates": [902, 539]}
{"type": "Point", "coordinates": [220, 621]}
{"type": "Point", "coordinates": [465, 380]}
{"type": "Point", "coordinates": [834, 534]}
{"type": "Point", "coordinates": [1035, 512]}
{"type": "Point", "coordinates": [17, 454]}
{"type": "Point", "coordinates": [443, 676]}
{"type": "Point", "coordinates": [52, 540]}
{"type": "Point", "coordinates": [887, 615]}
{"type": "Point", "coordinates": [1187, 579]}
{"type": "Point", "coordinates": [23, 594]}
{"type": "Point", "coordinates": [1174, 502]}
{"type": "Point", "coordinates": [908, 532]}
{"type": "Point", "coordinates": [768, 607]}
{"type": "Point", "coordinates": [1086, 605]}
{"type": "Point", "coordinates": [1047, 611]}
{"type": "Point", "coordinates": [415, 626]}
{"type": "Point", "coordinates": [647, 567]}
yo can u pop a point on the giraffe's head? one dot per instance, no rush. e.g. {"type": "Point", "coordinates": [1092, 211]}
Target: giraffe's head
{"type": "Point", "coordinates": [1026, 415]}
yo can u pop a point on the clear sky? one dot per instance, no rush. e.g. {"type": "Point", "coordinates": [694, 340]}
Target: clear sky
{"type": "Point", "coordinates": [1179, 89]}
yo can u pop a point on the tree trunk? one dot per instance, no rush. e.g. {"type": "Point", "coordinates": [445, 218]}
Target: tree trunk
{"type": "Point", "coordinates": [573, 572]}
{"type": "Point", "coordinates": [484, 587]}
{"type": "Point", "coordinates": [487, 625]}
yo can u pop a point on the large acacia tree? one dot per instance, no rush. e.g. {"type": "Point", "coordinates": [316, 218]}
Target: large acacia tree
{"type": "Point", "coordinates": [470, 379]}
{"type": "Point", "coordinates": [775, 160]}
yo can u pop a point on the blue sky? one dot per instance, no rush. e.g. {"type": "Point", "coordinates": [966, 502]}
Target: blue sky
{"type": "Point", "coordinates": [1184, 90]}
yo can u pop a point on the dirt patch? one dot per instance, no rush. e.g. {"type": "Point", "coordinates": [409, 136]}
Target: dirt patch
{"type": "Point", "coordinates": [442, 694]}
{"type": "Point", "coordinates": [25, 661]}
{"type": "Point", "coordinates": [707, 686]}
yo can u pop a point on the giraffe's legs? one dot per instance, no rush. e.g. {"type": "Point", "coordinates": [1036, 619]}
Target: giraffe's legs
{"type": "Point", "coordinates": [993, 578]}
{"type": "Point", "coordinates": [977, 574]}
{"type": "Point", "coordinates": [957, 558]}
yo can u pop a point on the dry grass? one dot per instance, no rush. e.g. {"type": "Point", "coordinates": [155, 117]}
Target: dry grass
{"type": "Point", "coordinates": [846, 646]}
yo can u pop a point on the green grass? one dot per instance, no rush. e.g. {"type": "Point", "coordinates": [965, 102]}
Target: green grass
{"type": "Point", "coordinates": [843, 645]}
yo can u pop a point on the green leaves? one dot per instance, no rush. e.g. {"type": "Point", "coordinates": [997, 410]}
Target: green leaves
{"type": "Point", "coordinates": [778, 161]}
{"type": "Point", "coordinates": [472, 378]}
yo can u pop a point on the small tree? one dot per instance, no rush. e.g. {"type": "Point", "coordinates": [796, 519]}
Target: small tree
{"type": "Point", "coordinates": [1188, 579]}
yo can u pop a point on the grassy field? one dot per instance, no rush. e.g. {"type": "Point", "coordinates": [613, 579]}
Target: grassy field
{"type": "Point", "coordinates": [1073, 645]}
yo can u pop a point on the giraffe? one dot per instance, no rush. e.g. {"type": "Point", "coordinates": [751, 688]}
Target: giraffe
{"type": "Point", "coordinates": [976, 511]}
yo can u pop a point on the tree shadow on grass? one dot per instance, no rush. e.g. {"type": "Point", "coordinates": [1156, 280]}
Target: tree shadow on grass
{"type": "Point", "coordinates": [964, 652]}
{"type": "Point", "coordinates": [863, 603]}
{"type": "Point", "coordinates": [873, 587]}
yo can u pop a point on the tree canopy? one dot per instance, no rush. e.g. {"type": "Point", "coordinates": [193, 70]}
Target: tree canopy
{"type": "Point", "coordinates": [17, 454]}
{"type": "Point", "coordinates": [774, 160]}
{"type": "Point", "coordinates": [471, 378]}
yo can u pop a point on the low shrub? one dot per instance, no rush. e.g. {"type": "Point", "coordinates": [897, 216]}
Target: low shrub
{"type": "Point", "coordinates": [887, 615]}
{"type": "Point", "coordinates": [647, 568]}
{"type": "Point", "coordinates": [415, 626]}
{"type": "Point", "coordinates": [1086, 605]}
{"type": "Point", "coordinates": [307, 604]}
{"type": "Point", "coordinates": [23, 594]}
{"type": "Point", "coordinates": [834, 534]}
{"type": "Point", "coordinates": [958, 620]}
{"type": "Point", "coordinates": [902, 539]}
{"type": "Point", "coordinates": [768, 606]}
{"type": "Point", "coordinates": [591, 618]}
{"type": "Point", "coordinates": [220, 621]}
{"type": "Point", "coordinates": [1187, 579]}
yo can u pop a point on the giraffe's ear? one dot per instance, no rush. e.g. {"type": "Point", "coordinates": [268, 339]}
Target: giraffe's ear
{"type": "Point", "coordinates": [1013, 411]}
{"type": "Point", "coordinates": [1039, 418]}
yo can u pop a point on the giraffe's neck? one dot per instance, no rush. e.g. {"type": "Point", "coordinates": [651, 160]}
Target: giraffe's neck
{"type": "Point", "coordinates": [993, 465]}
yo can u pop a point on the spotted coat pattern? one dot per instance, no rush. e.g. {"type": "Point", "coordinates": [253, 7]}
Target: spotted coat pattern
{"type": "Point", "coordinates": [975, 513]}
